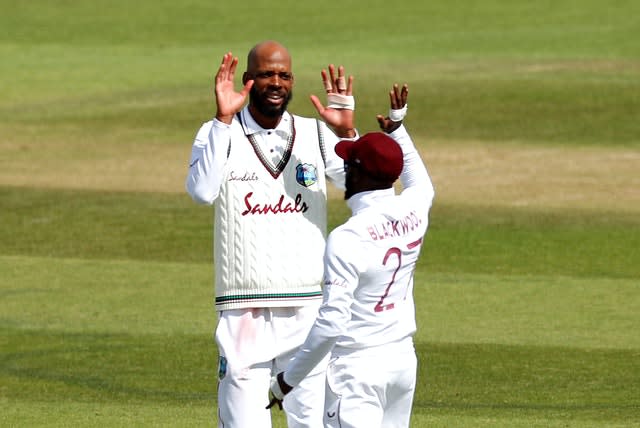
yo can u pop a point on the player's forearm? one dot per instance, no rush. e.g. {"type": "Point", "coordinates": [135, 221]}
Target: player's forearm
{"type": "Point", "coordinates": [334, 165]}
{"type": "Point", "coordinates": [318, 344]}
{"type": "Point", "coordinates": [414, 172]}
{"type": "Point", "coordinates": [205, 166]}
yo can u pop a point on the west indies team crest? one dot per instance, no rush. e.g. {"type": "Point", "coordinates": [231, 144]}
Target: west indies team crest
{"type": "Point", "coordinates": [306, 174]}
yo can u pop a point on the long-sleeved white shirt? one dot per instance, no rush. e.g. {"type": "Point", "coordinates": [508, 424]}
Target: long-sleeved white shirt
{"type": "Point", "coordinates": [214, 138]}
{"type": "Point", "coordinates": [369, 264]}
{"type": "Point", "coordinates": [269, 188]}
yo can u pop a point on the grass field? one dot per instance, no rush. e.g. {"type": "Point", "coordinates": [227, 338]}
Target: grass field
{"type": "Point", "coordinates": [527, 114]}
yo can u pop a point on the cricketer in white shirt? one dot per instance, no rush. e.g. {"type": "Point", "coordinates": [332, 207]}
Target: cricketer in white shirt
{"type": "Point", "coordinates": [367, 319]}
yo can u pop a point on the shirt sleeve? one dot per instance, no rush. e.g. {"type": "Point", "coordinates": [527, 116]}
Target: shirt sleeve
{"type": "Point", "coordinates": [208, 158]}
{"type": "Point", "coordinates": [415, 176]}
{"type": "Point", "coordinates": [334, 165]}
{"type": "Point", "coordinates": [340, 282]}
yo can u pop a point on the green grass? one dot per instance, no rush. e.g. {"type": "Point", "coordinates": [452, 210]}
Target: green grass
{"type": "Point", "coordinates": [527, 315]}
{"type": "Point", "coordinates": [166, 227]}
{"type": "Point", "coordinates": [111, 225]}
{"type": "Point", "coordinates": [134, 337]}
{"type": "Point", "coordinates": [119, 311]}
{"type": "Point", "coordinates": [537, 72]}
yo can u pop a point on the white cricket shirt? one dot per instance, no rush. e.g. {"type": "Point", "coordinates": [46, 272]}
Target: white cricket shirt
{"type": "Point", "coordinates": [269, 189]}
{"type": "Point", "coordinates": [369, 264]}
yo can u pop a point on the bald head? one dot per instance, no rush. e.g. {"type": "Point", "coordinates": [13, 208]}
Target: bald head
{"type": "Point", "coordinates": [269, 66]}
{"type": "Point", "coordinates": [268, 51]}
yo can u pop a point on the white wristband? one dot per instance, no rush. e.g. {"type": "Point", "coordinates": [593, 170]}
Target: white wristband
{"type": "Point", "coordinates": [342, 102]}
{"type": "Point", "coordinates": [396, 115]}
{"type": "Point", "coordinates": [275, 388]}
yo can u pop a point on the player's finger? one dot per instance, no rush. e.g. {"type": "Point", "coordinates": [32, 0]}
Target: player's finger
{"type": "Point", "coordinates": [247, 88]}
{"type": "Point", "coordinates": [222, 69]}
{"type": "Point", "coordinates": [341, 83]}
{"type": "Point", "coordinates": [396, 95]}
{"type": "Point", "coordinates": [326, 82]}
{"type": "Point", "coordinates": [332, 74]}
{"type": "Point", "coordinates": [393, 101]}
{"type": "Point", "coordinates": [317, 104]}
{"type": "Point", "coordinates": [228, 67]}
{"type": "Point", "coordinates": [232, 67]}
{"type": "Point", "coordinates": [350, 86]}
{"type": "Point", "coordinates": [404, 93]}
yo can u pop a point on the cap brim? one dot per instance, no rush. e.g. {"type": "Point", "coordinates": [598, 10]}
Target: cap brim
{"type": "Point", "coordinates": [343, 149]}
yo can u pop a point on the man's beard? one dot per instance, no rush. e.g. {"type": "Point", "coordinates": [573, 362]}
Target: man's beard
{"type": "Point", "coordinates": [267, 109]}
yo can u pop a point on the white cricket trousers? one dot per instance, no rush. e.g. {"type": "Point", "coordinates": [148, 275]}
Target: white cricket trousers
{"type": "Point", "coordinates": [374, 390]}
{"type": "Point", "coordinates": [254, 345]}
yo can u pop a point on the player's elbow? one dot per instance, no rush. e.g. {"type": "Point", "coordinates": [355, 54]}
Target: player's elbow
{"type": "Point", "coordinates": [200, 194]}
{"type": "Point", "coordinates": [332, 322]}
{"type": "Point", "coordinates": [430, 192]}
{"type": "Point", "coordinates": [202, 200]}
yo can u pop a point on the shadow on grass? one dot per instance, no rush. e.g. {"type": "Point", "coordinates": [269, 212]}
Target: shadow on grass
{"type": "Point", "coordinates": [54, 366]}
{"type": "Point", "coordinates": [476, 378]}
{"type": "Point", "coordinates": [178, 369]}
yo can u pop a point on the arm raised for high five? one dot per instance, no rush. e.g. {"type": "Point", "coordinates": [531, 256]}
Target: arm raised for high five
{"type": "Point", "coordinates": [397, 109]}
{"type": "Point", "coordinates": [210, 147]}
{"type": "Point", "coordinates": [339, 112]}
{"type": "Point", "coordinates": [414, 177]}
{"type": "Point", "coordinates": [228, 101]}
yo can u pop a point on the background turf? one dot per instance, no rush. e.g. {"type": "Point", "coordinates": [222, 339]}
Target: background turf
{"type": "Point", "coordinates": [526, 112]}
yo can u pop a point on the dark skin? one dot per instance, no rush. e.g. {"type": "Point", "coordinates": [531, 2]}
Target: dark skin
{"type": "Point", "coordinates": [269, 79]}
{"type": "Point", "coordinates": [397, 100]}
{"type": "Point", "coordinates": [269, 66]}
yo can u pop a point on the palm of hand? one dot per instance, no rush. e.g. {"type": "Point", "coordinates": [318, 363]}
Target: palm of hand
{"type": "Point", "coordinates": [387, 125]}
{"type": "Point", "coordinates": [228, 100]}
{"type": "Point", "coordinates": [338, 118]}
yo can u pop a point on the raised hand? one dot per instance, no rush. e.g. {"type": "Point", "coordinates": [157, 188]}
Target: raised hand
{"type": "Point", "coordinates": [228, 101]}
{"type": "Point", "coordinates": [337, 115]}
{"type": "Point", "coordinates": [398, 101]}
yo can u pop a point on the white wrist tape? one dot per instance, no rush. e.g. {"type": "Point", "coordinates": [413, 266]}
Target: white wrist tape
{"type": "Point", "coordinates": [342, 102]}
{"type": "Point", "coordinates": [275, 388]}
{"type": "Point", "coordinates": [397, 115]}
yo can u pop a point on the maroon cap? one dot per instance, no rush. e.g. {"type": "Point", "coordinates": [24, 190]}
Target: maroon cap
{"type": "Point", "coordinates": [376, 153]}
